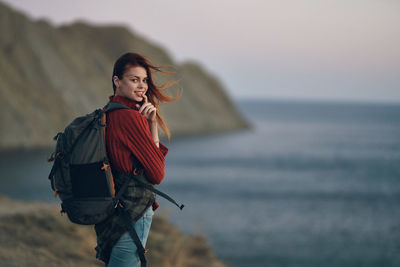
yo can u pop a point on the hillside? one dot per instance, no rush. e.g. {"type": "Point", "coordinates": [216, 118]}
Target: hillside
{"type": "Point", "coordinates": [49, 75]}
{"type": "Point", "coordinates": [36, 234]}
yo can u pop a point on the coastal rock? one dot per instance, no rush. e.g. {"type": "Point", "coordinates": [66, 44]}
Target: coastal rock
{"type": "Point", "coordinates": [50, 75]}
{"type": "Point", "coordinates": [36, 234]}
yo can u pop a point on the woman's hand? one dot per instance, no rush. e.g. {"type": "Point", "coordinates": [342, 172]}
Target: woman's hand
{"type": "Point", "coordinates": [147, 110]}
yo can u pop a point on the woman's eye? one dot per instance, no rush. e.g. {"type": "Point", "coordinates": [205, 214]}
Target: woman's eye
{"type": "Point", "coordinates": [145, 80]}
{"type": "Point", "coordinates": [134, 80]}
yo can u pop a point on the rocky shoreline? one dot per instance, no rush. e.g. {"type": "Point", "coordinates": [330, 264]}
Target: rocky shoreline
{"type": "Point", "coordinates": [36, 234]}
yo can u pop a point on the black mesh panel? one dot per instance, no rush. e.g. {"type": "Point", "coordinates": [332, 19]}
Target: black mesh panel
{"type": "Point", "coordinates": [89, 180]}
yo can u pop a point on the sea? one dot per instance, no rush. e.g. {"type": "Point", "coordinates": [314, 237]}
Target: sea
{"type": "Point", "coordinates": [309, 184]}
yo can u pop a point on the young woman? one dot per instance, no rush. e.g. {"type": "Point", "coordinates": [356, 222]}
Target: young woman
{"type": "Point", "coordinates": [132, 135]}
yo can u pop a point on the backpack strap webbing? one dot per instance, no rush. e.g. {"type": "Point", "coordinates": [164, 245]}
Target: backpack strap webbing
{"type": "Point", "coordinates": [158, 192]}
{"type": "Point", "coordinates": [151, 188]}
{"type": "Point", "coordinates": [113, 106]}
{"type": "Point", "coordinates": [126, 218]}
{"type": "Point", "coordinates": [120, 205]}
{"type": "Point", "coordinates": [132, 232]}
{"type": "Point", "coordinates": [120, 192]}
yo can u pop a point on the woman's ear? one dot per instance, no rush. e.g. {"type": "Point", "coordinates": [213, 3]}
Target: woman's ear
{"type": "Point", "coordinates": [116, 81]}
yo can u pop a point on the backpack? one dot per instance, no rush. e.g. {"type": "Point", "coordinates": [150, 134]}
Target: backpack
{"type": "Point", "coordinates": [82, 177]}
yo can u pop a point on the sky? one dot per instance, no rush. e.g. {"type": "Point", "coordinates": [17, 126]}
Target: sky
{"type": "Point", "coordinates": [335, 50]}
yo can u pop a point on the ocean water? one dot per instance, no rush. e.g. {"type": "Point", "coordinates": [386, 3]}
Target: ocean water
{"type": "Point", "coordinates": [311, 184]}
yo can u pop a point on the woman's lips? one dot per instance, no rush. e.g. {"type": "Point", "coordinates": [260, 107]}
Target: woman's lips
{"type": "Point", "coordinates": [139, 93]}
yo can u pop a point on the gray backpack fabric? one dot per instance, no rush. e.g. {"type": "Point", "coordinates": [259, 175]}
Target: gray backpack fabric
{"type": "Point", "coordinates": [81, 175]}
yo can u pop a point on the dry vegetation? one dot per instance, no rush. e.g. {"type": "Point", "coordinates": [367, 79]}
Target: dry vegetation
{"type": "Point", "coordinates": [35, 234]}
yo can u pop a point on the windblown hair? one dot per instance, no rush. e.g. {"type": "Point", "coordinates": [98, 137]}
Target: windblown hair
{"type": "Point", "coordinates": [154, 93]}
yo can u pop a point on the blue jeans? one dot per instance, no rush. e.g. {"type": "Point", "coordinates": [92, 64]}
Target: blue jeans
{"type": "Point", "coordinates": [124, 252]}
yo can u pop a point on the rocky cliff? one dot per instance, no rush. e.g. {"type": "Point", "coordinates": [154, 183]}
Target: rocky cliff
{"type": "Point", "coordinates": [49, 75]}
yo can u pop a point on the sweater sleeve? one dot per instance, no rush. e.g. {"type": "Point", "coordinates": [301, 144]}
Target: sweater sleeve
{"type": "Point", "coordinates": [137, 136]}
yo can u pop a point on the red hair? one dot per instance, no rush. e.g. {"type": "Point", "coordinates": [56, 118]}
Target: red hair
{"type": "Point", "coordinates": [154, 92]}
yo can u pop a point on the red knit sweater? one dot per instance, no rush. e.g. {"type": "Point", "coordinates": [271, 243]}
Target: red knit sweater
{"type": "Point", "coordinates": [128, 132]}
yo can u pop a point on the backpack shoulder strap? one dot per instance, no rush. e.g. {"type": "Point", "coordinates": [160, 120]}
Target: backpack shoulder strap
{"type": "Point", "coordinates": [113, 106]}
{"type": "Point", "coordinates": [132, 232]}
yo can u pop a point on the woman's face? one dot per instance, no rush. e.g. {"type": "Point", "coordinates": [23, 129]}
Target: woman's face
{"type": "Point", "coordinates": [133, 84]}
